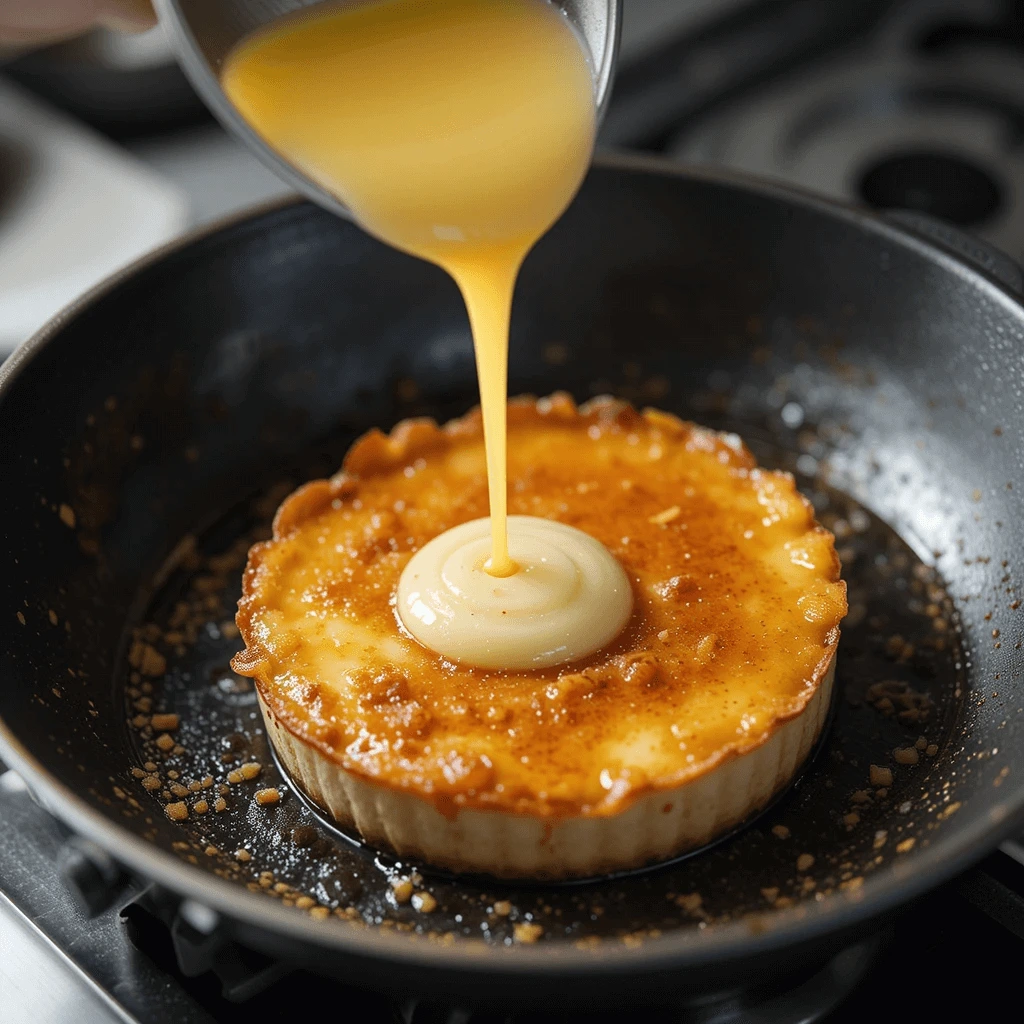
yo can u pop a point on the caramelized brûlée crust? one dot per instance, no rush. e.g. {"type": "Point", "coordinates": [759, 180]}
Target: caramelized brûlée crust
{"type": "Point", "coordinates": [727, 659]}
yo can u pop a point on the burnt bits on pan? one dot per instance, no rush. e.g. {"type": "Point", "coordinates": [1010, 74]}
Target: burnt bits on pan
{"type": "Point", "coordinates": [203, 761]}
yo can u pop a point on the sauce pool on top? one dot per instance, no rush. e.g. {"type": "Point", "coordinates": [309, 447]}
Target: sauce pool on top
{"type": "Point", "coordinates": [455, 130]}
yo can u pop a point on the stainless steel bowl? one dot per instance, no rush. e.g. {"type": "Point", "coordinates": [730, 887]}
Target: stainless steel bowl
{"type": "Point", "coordinates": [203, 32]}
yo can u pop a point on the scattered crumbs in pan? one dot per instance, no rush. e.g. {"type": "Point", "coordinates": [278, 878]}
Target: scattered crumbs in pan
{"type": "Point", "coordinates": [202, 755]}
{"type": "Point", "coordinates": [527, 931]}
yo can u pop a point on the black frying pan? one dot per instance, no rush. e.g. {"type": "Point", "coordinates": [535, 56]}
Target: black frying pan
{"type": "Point", "coordinates": [181, 399]}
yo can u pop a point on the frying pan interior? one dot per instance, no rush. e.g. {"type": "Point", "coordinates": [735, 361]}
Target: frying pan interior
{"type": "Point", "coordinates": [178, 402]}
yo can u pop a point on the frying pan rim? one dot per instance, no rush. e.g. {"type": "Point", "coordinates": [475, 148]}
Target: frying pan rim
{"type": "Point", "coordinates": [735, 940]}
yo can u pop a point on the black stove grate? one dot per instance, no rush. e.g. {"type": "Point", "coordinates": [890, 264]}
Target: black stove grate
{"type": "Point", "coordinates": [160, 968]}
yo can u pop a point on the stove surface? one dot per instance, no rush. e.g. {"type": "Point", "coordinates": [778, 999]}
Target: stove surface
{"type": "Point", "coordinates": [61, 965]}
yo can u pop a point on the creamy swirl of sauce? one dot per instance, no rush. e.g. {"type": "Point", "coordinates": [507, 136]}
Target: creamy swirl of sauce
{"type": "Point", "coordinates": [567, 598]}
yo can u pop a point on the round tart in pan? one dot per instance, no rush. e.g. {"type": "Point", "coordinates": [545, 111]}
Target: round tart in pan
{"type": "Point", "coordinates": [691, 720]}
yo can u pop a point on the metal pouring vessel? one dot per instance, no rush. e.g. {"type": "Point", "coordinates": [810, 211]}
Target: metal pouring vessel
{"type": "Point", "coordinates": [203, 33]}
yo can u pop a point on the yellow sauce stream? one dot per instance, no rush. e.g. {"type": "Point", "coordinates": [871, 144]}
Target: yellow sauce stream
{"type": "Point", "coordinates": [456, 130]}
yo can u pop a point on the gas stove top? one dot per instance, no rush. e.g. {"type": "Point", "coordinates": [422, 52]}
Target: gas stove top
{"type": "Point", "coordinates": [134, 962]}
{"type": "Point", "coordinates": [914, 104]}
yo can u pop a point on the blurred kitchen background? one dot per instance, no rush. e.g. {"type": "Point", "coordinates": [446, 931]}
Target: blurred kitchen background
{"type": "Point", "coordinates": [105, 152]}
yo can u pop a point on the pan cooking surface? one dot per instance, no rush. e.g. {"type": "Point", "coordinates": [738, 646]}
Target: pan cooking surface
{"type": "Point", "coordinates": [170, 404]}
{"type": "Point", "coordinates": [856, 809]}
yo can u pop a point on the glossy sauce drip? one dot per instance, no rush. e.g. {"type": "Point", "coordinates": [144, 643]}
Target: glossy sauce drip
{"type": "Point", "coordinates": [456, 130]}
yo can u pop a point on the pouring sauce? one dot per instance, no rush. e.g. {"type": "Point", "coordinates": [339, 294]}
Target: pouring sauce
{"type": "Point", "coordinates": [457, 131]}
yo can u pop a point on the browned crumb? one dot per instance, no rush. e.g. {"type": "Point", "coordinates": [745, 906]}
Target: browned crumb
{"type": "Point", "coordinates": [424, 902]}
{"type": "Point", "coordinates": [67, 516]}
{"type": "Point", "coordinates": [947, 811]}
{"type": "Point", "coordinates": [151, 782]}
{"type": "Point", "coordinates": [861, 796]}
{"type": "Point", "coordinates": [502, 908]}
{"type": "Point", "coordinates": [906, 846]}
{"type": "Point", "coordinates": [922, 742]}
{"type": "Point", "coordinates": [165, 723]}
{"type": "Point", "coordinates": [207, 782]}
{"type": "Point", "coordinates": [177, 811]}
{"type": "Point", "coordinates": [165, 742]}
{"type": "Point", "coordinates": [894, 645]}
{"type": "Point", "coordinates": [805, 862]}
{"type": "Point", "coordinates": [20, 617]}
{"type": "Point", "coordinates": [305, 902]}
{"type": "Point", "coordinates": [281, 887]}
{"type": "Point", "coordinates": [401, 888]}
{"type": "Point", "coordinates": [194, 787]}
{"type": "Point", "coordinates": [892, 695]}
{"type": "Point", "coordinates": [880, 776]}
{"type": "Point", "coordinates": [267, 796]}
{"type": "Point", "coordinates": [211, 851]}
{"type": "Point", "coordinates": [243, 855]}
{"type": "Point", "coordinates": [691, 902]}
{"type": "Point", "coordinates": [527, 931]}
{"type": "Point", "coordinates": [320, 913]}
{"type": "Point", "coordinates": [245, 772]}
{"type": "Point", "coordinates": [304, 835]}
{"type": "Point", "coordinates": [178, 789]}
{"type": "Point", "coordinates": [150, 766]}
{"type": "Point", "coordinates": [931, 750]}
{"type": "Point", "coordinates": [880, 837]}
{"type": "Point", "coordinates": [220, 804]}
{"type": "Point", "coordinates": [851, 819]}
{"type": "Point", "coordinates": [780, 832]}
{"type": "Point", "coordinates": [771, 894]}
{"type": "Point", "coordinates": [201, 807]}
{"type": "Point", "coordinates": [906, 755]}
{"type": "Point", "coordinates": [147, 659]}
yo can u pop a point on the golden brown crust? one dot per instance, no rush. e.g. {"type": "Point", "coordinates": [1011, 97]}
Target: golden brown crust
{"type": "Point", "coordinates": [737, 606]}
